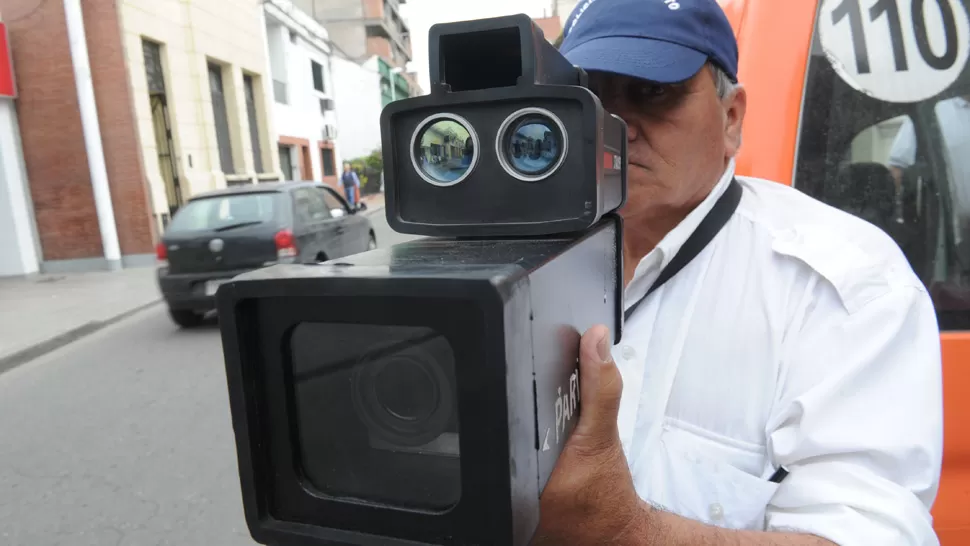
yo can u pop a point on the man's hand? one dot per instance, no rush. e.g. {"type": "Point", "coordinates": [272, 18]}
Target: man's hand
{"type": "Point", "coordinates": [590, 498]}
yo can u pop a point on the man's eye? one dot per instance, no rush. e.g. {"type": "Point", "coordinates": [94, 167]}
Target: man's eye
{"type": "Point", "coordinates": [649, 91]}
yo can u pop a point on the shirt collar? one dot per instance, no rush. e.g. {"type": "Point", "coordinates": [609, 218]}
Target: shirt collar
{"type": "Point", "coordinates": [675, 238]}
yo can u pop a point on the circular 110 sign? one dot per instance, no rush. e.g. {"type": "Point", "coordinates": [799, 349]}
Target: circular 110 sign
{"type": "Point", "coordinates": [896, 50]}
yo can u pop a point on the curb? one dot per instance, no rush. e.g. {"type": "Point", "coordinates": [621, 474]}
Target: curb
{"type": "Point", "coordinates": [373, 211]}
{"type": "Point", "coordinates": [37, 350]}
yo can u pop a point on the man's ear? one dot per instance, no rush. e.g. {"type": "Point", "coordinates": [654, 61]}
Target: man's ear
{"type": "Point", "coordinates": [735, 106]}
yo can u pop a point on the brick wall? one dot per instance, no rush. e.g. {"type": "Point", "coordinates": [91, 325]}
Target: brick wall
{"type": "Point", "coordinates": [377, 45]}
{"type": "Point", "coordinates": [119, 132]}
{"type": "Point", "coordinates": [50, 123]}
{"type": "Point", "coordinates": [50, 127]}
{"type": "Point", "coordinates": [373, 8]}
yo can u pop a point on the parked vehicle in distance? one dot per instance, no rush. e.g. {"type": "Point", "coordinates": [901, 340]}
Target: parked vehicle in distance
{"type": "Point", "coordinates": [218, 235]}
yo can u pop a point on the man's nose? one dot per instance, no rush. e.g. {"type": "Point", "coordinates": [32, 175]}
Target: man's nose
{"type": "Point", "coordinates": [631, 131]}
{"type": "Point", "coordinates": [620, 108]}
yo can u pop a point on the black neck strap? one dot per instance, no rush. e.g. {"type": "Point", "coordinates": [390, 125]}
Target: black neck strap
{"type": "Point", "coordinates": [709, 227]}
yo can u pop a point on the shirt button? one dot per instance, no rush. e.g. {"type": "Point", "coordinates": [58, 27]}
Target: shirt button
{"type": "Point", "coordinates": [717, 512]}
{"type": "Point", "coordinates": [629, 353]}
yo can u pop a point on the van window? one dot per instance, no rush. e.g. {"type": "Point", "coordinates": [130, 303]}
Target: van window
{"type": "Point", "coordinates": [901, 162]}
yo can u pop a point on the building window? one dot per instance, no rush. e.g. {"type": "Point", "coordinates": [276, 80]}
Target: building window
{"type": "Point", "coordinates": [153, 67]}
{"type": "Point", "coordinates": [253, 122]}
{"type": "Point", "coordinates": [221, 114]}
{"type": "Point", "coordinates": [329, 167]}
{"type": "Point", "coordinates": [286, 162]}
{"type": "Point", "coordinates": [279, 92]}
{"type": "Point", "coordinates": [162, 125]}
{"type": "Point", "coordinates": [317, 76]}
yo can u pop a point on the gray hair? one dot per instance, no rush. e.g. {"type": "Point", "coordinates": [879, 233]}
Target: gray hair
{"type": "Point", "coordinates": [722, 82]}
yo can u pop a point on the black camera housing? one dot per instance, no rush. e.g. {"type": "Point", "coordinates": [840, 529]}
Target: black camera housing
{"type": "Point", "coordinates": [482, 73]}
{"type": "Point", "coordinates": [512, 312]}
{"type": "Point", "coordinates": [422, 394]}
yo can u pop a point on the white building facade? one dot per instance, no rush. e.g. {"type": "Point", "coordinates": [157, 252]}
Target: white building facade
{"type": "Point", "coordinates": [358, 94]}
{"type": "Point", "coordinates": [304, 102]}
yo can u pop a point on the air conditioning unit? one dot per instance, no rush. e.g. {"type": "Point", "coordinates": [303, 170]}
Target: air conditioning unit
{"type": "Point", "coordinates": [329, 132]}
{"type": "Point", "coordinates": [326, 105]}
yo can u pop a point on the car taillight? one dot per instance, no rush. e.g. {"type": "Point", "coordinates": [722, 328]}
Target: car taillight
{"type": "Point", "coordinates": [161, 252]}
{"type": "Point", "coordinates": [285, 244]}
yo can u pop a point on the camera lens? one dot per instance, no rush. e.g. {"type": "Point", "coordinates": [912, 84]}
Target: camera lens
{"type": "Point", "coordinates": [444, 149]}
{"type": "Point", "coordinates": [376, 413]}
{"type": "Point", "coordinates": [405, 391]}
{"type": "Point", "coordinates": [531, 144]}
{"type": "Point", "coordinates": [404, 398]}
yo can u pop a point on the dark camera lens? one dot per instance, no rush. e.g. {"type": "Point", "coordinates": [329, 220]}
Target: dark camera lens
{"type": "Point", "coordinates": [404, 398]}
{"type": "Point", "coordinates": [444, 149]}
{"type": "Point", "coordinates": [406, 391]}
{"type": "Point", "coordinates": [532, 144]}
{"type": "Point", "coordinates": [377, 413]}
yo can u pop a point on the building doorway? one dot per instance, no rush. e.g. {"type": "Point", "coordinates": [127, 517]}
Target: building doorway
{"type": "Point", "coordinates": [286, 162]}
{"type": "Point", "coordinates": [162, 123]}
{"type": "Point", "coordinates": [295, 159]}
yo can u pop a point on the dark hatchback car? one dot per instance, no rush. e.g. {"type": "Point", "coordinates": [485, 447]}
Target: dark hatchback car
{"type": "Point", "coordinates": [218, 235]}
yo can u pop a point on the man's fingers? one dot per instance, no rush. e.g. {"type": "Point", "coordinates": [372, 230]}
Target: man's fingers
{"type": "Point", "coordinates": [600, 387]}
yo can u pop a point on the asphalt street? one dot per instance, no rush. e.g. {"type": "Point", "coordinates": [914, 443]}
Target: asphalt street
{"type": "Point", "coordinates": [124, 439]}
{"type": "Point", "coordinates": [385, 236]}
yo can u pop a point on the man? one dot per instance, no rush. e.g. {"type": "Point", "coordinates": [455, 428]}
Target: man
{"type": "Point", "coordinates": [953, 118]}
{"type": "Point", "coordinates": [784, 387]}
{"type": "Point", "coordinates": [351, 184]}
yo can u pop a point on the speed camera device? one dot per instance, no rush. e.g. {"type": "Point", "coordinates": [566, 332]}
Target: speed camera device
{"type": "Point", "coordinates": [509, 142]}
{"type": "Point", "coordinates": [421, 394]}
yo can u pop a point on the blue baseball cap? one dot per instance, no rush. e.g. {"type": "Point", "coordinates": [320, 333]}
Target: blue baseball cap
{"type": "Point", "coordinates": [665, 41]}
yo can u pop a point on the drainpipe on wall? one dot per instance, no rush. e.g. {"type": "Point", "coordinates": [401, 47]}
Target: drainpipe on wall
{"type": "Point", "coordinates": [92, 133]}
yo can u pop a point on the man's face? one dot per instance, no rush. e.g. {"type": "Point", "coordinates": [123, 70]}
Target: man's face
{"type": "Point", "coordinates": [681, 137]}
{"type": "Point", "coordinates": [346, 168]}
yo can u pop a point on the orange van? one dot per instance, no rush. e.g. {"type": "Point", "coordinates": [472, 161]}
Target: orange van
{"type": "Point", "coordinates": [865, 104]}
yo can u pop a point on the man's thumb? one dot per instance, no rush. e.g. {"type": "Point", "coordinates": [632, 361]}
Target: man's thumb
{"type": "Point", "coordinates": [600, 387]}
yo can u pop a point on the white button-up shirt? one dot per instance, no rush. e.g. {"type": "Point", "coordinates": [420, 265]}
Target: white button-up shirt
{"type": "Point", "coordinates": [799, 337]}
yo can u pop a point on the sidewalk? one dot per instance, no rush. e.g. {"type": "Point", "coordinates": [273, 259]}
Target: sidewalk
{"type": "Point", "coordinates": [43, 313]}
{"type": "Point", "coordinates": [375, 203]}
{"type": "Point", "coordinates": [46, 312]}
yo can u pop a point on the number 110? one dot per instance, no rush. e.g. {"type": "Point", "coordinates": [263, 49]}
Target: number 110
{"type": "Point", "coordinates": [853, 10]}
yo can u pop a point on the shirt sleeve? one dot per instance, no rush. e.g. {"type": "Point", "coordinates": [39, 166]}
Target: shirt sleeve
{"type": "Point", "coordinates": [858, 420]}
{"type": "Point", "coordinates": [903, 152]}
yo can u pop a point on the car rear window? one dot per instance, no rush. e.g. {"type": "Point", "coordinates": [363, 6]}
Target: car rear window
{"type": "Point", "coordinates": [227, 211]}
{"type": "Point", "coordinates": [885, 132]}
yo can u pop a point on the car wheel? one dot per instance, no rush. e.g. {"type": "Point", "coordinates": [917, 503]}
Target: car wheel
{"type": "Point", "coordinates": [372, 243]}
{"type": "Point", "coordinates": [185, 317]}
